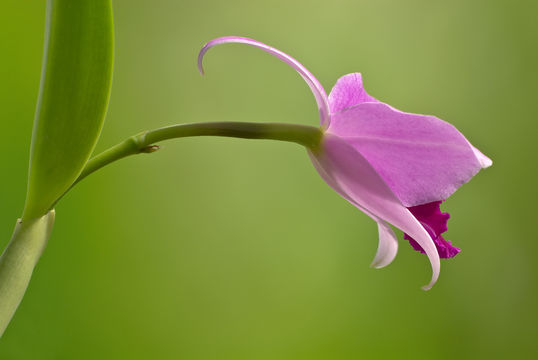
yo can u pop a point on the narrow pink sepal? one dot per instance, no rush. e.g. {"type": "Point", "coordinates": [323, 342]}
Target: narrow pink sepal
{"type": "Point", "coordinates": [313, 83]}
{"type": "Point", "coordinates": [387, 247]}
{"type": "Point", "coordinates": [422, 158]}
{"type": "Point", "coordinates": [348, 92]}
{"type": "Point", "coordinates": [354, 175]}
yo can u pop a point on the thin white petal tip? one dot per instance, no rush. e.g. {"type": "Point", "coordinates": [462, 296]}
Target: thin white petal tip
{"type": "Point", "coordinates": [377, 266]}
{"type": "Point", "coordinates": [380, 263]}
{"type": "Point", "coordinates": [200, 60]}
{"type": "Point", "coordinates": [484, 161]}
{"type": "Point", "coordinates": [387, 248]}
{"type": "Point", "coordinates": [431, 284]}
{"type": "Point", "coordinates": [427, 287]}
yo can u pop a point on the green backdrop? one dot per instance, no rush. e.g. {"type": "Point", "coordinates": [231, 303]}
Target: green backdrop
{"type": "Point", "coordinates": [235, 249]}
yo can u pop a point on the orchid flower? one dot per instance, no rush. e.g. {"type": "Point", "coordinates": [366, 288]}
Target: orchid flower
{"type": "Point", "coordinates": [394, 166]}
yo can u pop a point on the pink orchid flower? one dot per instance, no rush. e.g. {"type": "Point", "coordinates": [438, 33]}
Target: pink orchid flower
{"type": "Point", "coordinates": [396, 167]}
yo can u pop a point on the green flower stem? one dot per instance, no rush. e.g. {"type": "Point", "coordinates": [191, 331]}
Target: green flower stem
{"type": "Point", "coordinates": [307, 136]}
{"type": "Point", "coordinates": [18, 261]}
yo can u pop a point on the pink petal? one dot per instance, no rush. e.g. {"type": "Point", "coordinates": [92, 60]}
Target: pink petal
{"type": "Point", "coordinates": [313, 83]}
{"type": "Point", "coordinates": [421, 158]}
{"type": "Point", "coordinates": [388, 242]}
{"type": "Point", "coordinates": [354, 175]}
{"type": "Point", "coordinates": [348, 92]}
{"type": "Point", "coordinates": [387, 248]}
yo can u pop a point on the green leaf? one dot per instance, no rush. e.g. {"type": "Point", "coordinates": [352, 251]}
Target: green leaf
{"type": "Point", "coordinates": [73, 97]}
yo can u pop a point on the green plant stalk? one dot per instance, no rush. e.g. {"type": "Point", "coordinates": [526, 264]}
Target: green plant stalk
{"type": "Point", "coordinates": [18, 261]}
{"type": "Point", "coordinates": [307, 136]}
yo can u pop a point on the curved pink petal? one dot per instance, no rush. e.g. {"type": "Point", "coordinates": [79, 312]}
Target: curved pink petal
{"type": "Point", "coordinates": [347, 92]}
{"type": "Point", "coordinates": [354, 175]}
{"type": "Point", "coordinates": [388, 242]}
{"type": "Point", "coordinates": [313, 83]}
{"type": "Point", "coordinates": [387, 248]}
{"type": "Point", "coordinates": [420, 157]}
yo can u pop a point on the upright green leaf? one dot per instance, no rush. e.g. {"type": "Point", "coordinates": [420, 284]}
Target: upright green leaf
{"type": "Point", "coordinates": [73, 97]}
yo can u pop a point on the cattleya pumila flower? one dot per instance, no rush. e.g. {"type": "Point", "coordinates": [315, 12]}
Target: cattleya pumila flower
{"type": "Point", "coordinates": [394, 166]}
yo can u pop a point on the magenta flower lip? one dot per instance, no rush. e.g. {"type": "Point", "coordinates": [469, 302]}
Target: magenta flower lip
{"type": "Point", "coordinates": [394, 166]}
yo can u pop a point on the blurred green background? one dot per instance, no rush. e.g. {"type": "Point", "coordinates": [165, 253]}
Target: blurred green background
{"type": "Point", "coordinates": [235, 249]}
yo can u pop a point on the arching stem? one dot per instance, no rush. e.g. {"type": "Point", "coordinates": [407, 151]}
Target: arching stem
{"type": "Point", "coordinates": [145, 142]}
